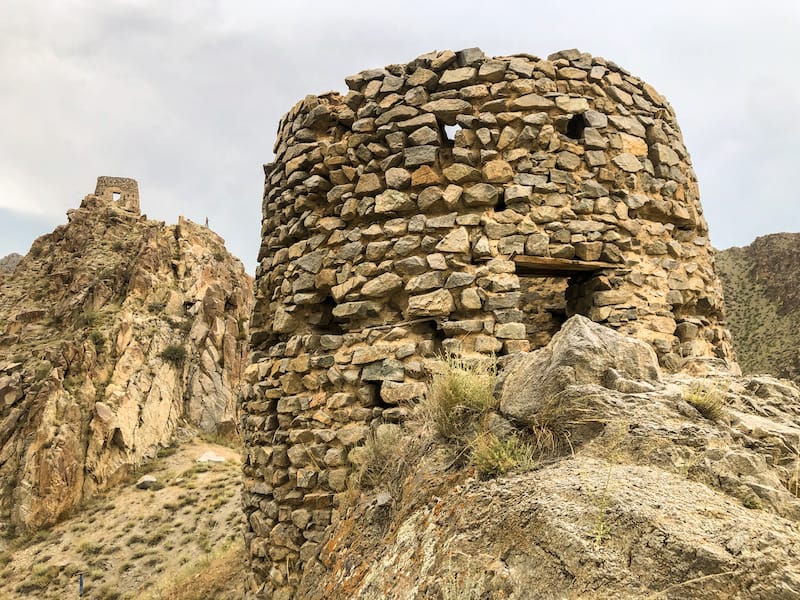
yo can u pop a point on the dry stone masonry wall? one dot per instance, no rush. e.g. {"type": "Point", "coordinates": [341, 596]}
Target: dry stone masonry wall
{"type": "Point", "coordinates": [417, 215]}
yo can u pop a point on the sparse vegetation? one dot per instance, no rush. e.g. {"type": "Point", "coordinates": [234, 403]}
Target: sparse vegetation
{"type": "Point", "coordinates": [381, 459]}
{"type": "Point", "coordinates": [98, 339]}
{"type": "Point", "coordinates": [88, 318]}
{"type": "Point", "coordinates": [156, 307]}
{"type": "Point", "coordinates": [131, 542]}
{"type": "Point", "coordinates": [457, 415]}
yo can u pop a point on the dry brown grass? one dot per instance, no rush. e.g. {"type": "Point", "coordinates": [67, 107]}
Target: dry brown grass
{"type": "Point", "coordinates": [221, 576]}
{"type": "Point", "coordinates": [127, 541]}
{"type": "Point", "coordinates": [460, 394]}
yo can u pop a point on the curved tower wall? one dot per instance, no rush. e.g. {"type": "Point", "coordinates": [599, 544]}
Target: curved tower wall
{"type": "Point", "coordinates": [400, 221]}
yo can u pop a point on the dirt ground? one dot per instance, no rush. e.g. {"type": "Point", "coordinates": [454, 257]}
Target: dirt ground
{"type": "Point", "coordinates": [180, 539]}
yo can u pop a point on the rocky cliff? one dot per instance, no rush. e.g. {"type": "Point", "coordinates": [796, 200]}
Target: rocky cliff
{"type": "Point", "coordinates": [762, 293]}
{"type": "Point", "coordinates": [117, 333]}
{"type": "Point", "coordinates": [634, 484]}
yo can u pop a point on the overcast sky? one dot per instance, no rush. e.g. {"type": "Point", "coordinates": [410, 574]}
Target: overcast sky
{"type": "Point", "coordinates": [185, 95]}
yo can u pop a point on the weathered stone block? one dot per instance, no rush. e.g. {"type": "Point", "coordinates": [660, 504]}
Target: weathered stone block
{"type": "Point", "coordinates": [436, 303]}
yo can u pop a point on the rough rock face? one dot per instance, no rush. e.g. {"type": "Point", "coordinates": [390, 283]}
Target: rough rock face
{"type": "Point", "coordinates": [652, 500]}
{"type": "Point", "coordinates": [762, 293]}
{"type": "Point", "coordinates": [429, 210]}
{"type": "Point", "coordinates": [115, 332]}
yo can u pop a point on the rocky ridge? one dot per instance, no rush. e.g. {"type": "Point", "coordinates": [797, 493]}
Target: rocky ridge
{"type": "Point", "coordinates": [762, 295]}
{"type": "Point", "coordinates": [652, 496]}
{"type": "Point", "coordinates": [117, 334]}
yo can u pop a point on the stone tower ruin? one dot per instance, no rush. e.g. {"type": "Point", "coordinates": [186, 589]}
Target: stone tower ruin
{"type": "Point", "coordinates": [122, 190]}
{"type": "Point", "coordinates": [457, 203]}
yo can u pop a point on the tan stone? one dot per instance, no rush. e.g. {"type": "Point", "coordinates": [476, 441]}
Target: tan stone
{"type": "Point", "coordinates": [498, 171]}
{"type": "Point", "coordinates": [435, 303]}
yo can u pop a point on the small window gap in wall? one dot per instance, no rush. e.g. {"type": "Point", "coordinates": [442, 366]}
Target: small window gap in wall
{"type": "Point", "coordinates": [115, 196]}
{"type": "Point", "coordinates": [449, 134]}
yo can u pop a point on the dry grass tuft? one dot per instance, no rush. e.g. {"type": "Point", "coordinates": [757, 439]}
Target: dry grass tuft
{"type": "Point", "coordinates": [707, 399]}
{"type": "Point", "coordinates": [461, 393]}
{"type": "Point", "coordinates": [219, 577]}
{"type": "Point", "coordinates": [493, 455]}
{"type": "Point", "coordinates": [383, 457]}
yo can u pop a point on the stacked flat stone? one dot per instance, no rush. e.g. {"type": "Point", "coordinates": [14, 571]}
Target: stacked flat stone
{"type": "Point", "coordinates": [391, 219]}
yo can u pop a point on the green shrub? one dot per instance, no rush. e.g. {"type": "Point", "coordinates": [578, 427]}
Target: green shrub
{"type": "Point", "coordinates": [156, 307]}
{"type": "Point", "coordinates": [88, 318]}
{"type": "Point", "coordinates": [174, 353]}
{"type": "Point", "coordinates": [98, 339]}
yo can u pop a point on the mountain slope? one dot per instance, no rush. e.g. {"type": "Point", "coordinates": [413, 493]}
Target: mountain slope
{"type": "Point", "coordinates": [762, 294]}
{"type": "Point", "coordinates": [117, 333]}
{"type": "Point", "coordinates": [139, 543]}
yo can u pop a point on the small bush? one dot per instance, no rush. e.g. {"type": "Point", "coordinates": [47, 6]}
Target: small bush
{"type": "Point", "coordinates": [98, 339]}
{"type": "Point", "coordinates": [493, 456]}
{"type": "Point", "coordinates": [88, 318]}
{"type": "Point", "coordinates": [90, 548]}
{"type": "Point", "coordinates": [174, 353]}
{"type": "Point", "coordinates": [156, 307]}
{"type": "Point", "coordinates": [706, 399]}
{"type": "Point", "coordinates": [460, 394]}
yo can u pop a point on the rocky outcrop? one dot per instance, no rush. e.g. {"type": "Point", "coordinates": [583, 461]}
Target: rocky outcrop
{"type": "Point", "coordinates": [116, 333]}
{"type": "Point", "coordinates": [8, 264]}
{"type": "Point", "coordinates": [654, 495]}
{"type": "Point", "coordinates": [762, 293]}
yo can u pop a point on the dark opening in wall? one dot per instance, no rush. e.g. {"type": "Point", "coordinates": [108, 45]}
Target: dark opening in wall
{"type": "Point", "coordinates": [437, 335]}
{"type": "Point", "coordinates": [575, 127]}
{"type": "Point", "coordinates": [322, 318]}
{"type": "Point", "coordinates": [501, 204]}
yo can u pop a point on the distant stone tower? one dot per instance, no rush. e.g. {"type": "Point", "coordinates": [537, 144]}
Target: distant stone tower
{"type": "Point", "coordinates": [121, 190]}
{"type": "Point", "coordinates": [456, 203]}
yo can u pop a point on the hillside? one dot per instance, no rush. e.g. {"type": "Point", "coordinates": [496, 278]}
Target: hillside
{"type": "Point", "coordinates": [762, 295]}
{"type": "Point", "coordinates": [8, 264]}
{"type": "Point", "coordinates": [118, 335]}
{"type": "Point", "coordinates": [175, 541]}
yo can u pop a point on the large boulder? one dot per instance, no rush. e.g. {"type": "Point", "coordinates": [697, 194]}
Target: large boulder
{"type": "Point", "coordinates": [582, 353]}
